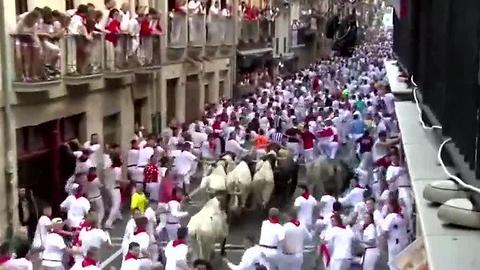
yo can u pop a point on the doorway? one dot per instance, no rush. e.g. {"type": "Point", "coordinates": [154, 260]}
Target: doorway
{"type": "Point", "coordinates": [140, 113]}
{"type": "Point", "coordinates": [192, 90]}
{"type": "Point", "coordinates": [221, 89]}
{"type": "Point", "coordinates": [111, 126]}
{"type": "Point", "coordinates": [171, 99]}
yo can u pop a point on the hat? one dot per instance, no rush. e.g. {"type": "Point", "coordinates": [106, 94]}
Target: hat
{"type": "Point", "coordinates": [57, 220]}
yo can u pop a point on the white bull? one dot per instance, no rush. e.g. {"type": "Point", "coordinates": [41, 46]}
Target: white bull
{"type": "Point", "coordinates": [216, 181]}
{"type": "Point", "coordinates": [239, 182]}
{"type": "Point", "coordinates": [263, 182]}
{"type": "Point", "coordinates": [207, 227]}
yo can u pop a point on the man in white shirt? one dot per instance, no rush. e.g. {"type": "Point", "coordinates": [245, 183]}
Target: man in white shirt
{"type": "Point", "coordinates": [234, 147]}
{"type": "Point", "coordinates": [295, 235]}
{"type": "Point", "coordinates": [185, 164]}
{"type": "Point", "coordinates": [76, 207]}
{"type": "Point", "coordinates": [90, 261]}
{"type": "Point", "coordinates": [43, 227]}
{"type": "Point", "coordinates": [141, 236]}
{"type": "Point", "coordinates": [175, 214]}
{"type": "Point", "coordinates": [144, 156]}
{"type": "Point", "coordinates": [176, 251]}
{"type": "Point", "coordinates": [252, 256]}
{"type": "Point", "coordinates": [272, 234]}
{"type": "Point", "coordinates": [198, 137]}
{"type": "Point", "coordinates": [305, 204]}
{"type": "Point", "coordinates": [394, 229]}
{"type": "Point", "coordinates": [132, 160]}
{"type": "Point", "coordinates": [131, 262]}
{"type": "Point", "coordinates": [354, 196]}
{"type": "Point", "coordinates": [129, 230]}
{"type": "Point", "coordinates": [20, 261]}
{"type": "Point", "coordinates": [339, 239]}
{"type": "Point", "coordinates": [94, 195]}
{"type": "Point", "coordinates": [55, 248]}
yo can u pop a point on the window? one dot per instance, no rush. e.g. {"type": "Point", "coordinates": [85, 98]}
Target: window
{"type": "Point", "coordinates": [21, 6]}
{"type": "Point", "coordinates": [69, 4]}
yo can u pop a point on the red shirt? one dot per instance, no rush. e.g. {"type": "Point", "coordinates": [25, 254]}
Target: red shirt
{"type": "Point", "coordinates": [150, 173]}
{"type": "Point", "coordinates": [145, 29]}
{"type": "Point", "coordinates": [366, 144]}
{"type": "Point", "coordinates": [166, 188]}
{"type": "Point", "coordinates": [308, 140]}
{"type": "Point", "coordinates": [114, 28]}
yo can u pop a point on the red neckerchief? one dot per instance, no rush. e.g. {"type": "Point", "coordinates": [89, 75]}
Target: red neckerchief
{"type": "Point", "coordinates": [358, 186]}
{"type": "Point", "coordinates": [135, 148]}
{"type": "Point", "coordinates": [398, 210]}
{"type": "Point", "coordinates": [341, 226]}
{"type": "Point", "coordinates": [175, 198]}
{"type": "Point", "coordinates": [212, 145]}
{"type": "Point", "coordinates": [178, 242]}
{"type": "Point", "coordinates": [130, 256]}
{"type": "Point", "coordinates": [4, 259]}
{"type": "Point", "coordinates": [306, 195]}
{"type": "Point", "coordinates": [88, 262]}
{"type": "Point", "coordinates": [78, 194]}
{"type": "Point", "coordinates": [365, 226]}
{"type": "Point", "coordinates": [91, 177]}
{"type": "Point", "coordinates": [295, 222]}
{"type": "Point", "coordinates": [274, 220]}
{"type": "Point", "coordinates": [139, 230]}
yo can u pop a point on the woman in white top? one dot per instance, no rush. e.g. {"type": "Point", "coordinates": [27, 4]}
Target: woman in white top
{"type": "Point", "coordinates": [369, 243]}
{"type": "Point", "coordinates": [27, 46]}
{"type": "Point", "coordinates": [43, 227]}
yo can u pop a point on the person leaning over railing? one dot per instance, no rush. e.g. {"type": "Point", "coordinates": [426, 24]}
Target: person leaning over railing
{"type": "Point", "coordinates": [111, 38]}
{"type": "Point", "coordinates": [27, 46]}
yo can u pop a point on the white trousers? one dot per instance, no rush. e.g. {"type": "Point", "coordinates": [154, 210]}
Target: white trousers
{"type": "Point", "coordinates": [97, 205]}
{"type": "Point", "coordinates": [308, 154]}
{"type": "Point", "coordinates": [273, 258]}
{"type": "Point", "coordinates": [370, 258]}
{"type": "Point", "coordinates": [393, 250]}
{"type": "Point", "coordinates": [291, 262]}
{"type": "Point", "coordinates": [172, 230]}
{"type": "Point", "coordinates": [115, 198]}
{"type": "Point", "coordinates": [329, 148]}
{"type": "Point", "coordinates": [294, 147]}
{"type": "Point", "coordinates": [110, 55]}
{"type": "Point", "coordinates": [153, 190]}
{"type": "Point", "coordinates": [340, 264]}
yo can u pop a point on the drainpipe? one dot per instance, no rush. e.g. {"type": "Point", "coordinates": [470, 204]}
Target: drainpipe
{"type": "Point", "coordinates": [233, 62]}
{"type": "Point", "coordinates": [11, 196]}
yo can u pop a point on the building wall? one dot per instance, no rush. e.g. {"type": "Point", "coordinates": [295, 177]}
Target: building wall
{"type": "Point", "coordinates": [3, 184]}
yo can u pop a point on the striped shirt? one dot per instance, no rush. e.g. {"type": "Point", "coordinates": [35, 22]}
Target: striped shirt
{"type": "Point", "coordinates": [277, 137]}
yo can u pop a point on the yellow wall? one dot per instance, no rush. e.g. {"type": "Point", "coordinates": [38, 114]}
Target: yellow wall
{"type": "Point", "coordinates": [56, 4]}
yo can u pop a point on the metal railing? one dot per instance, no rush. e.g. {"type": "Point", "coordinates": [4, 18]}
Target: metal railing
{"type": "Point", "coordinates": [266, 30]}
{"type": "Point", "coordinates": [216, 27]}
{"type": "Point", "coordinates": [83, 56]}
{"type": "Point", "coordinates": [36, 58]}
{"type": "Point", "coordinates": [178, 30]}
{"type": "Point", "coordinates": [249, 31]}
{"type": "Point", "coordinates": [196, 29]}
{"type": "Point", "coordinates": [149, 53]}
{"type": "Point", "coordinates": [229, 31]}
{"type": "Point", "coordinates": [122, 54]}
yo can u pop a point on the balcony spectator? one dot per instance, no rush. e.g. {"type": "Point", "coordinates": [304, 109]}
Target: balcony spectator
{"type": "Point", "coordinates": [50, 31]}
{"type": "Point", "coordinates": [109, 5]}
{"type": "Point", "coordinates": [126, 16]}
{"type": "Point", "coordinates": [111, 38]}
{"type": "Point", "coordinates": [28, 45]}
{"type": "Point", "coordinates": [146, 31]}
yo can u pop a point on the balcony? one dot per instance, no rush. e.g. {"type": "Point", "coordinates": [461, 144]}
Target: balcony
{"type": "Point", "coordinates": [37, 67]}
{"type": "Point", "coordinates": [177, 34]}
{"type": "Point", "coordinates": [255, 34]}
{"type": "Point", "coordinates": [149, 54]}
{"type": "Point", "coordinates": [121, 56]}
{"type": "Point", "coordinates": [216, 31]}
{"type": "Point", "coordinates": [228, 37]}
{"type": "Point", "coordinates": [83, 59]}
{"type": "Point", "coordinates": [196, 30]}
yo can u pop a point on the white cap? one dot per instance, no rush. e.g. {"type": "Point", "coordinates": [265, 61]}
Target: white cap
{"type": "Point", "coordinates": [57, 220]}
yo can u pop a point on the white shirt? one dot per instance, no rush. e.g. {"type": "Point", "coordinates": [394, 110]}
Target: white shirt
{"type": "Point", "coordinates": [271, 234]}
{"type": "Point", "coordinates": [184, 162]}
{"type": "Point", "coordinates": [76, 209]}
{"type": "Point", "coordinates": [41, 231]}
{"type": "Point", "coordinates": [54, 250]}
{"type": "Point", "coordinates": [143, 239]}
{"type": "Point", "coordinates": [92, 238]}
{"type": "Point", "coordinates": [399, 173]}
{"type": "Point", "coordinates": [295, 237]}
{"type": "Point", "coordinates": [78, 266]}
{"type": "Point", "coordinates": [175, 254]}
{"type": "Point", "coordinates": [152, 220]}
{"type": "Point", "coordinates": [327, 205]}
{"type": "Point", "coordinates": [340, 241]}
{"type": "Point", "coordinates": [144, 156]}
{"type": "Point", "coordinates": [250, 257]}
{"type": "Point", "coordinates": [129, 229]}
{"type": "Point", "coordinates": [396, 226]}
{"type": "Point", "coordinates": [18, 264]}
{"type": "Point", "coordinates": [130, 264]}
{"type": "Point", "coordinates": [198, 138]}
{"type": "Point", "coordinates": [194, 7]}
{"type": "Point", "coordinates": [76, 23]}
{"type": "Point", "coordinates": [132, 157]}
{"type": "Point", "coordinates": [93, 189]}
{"type": "Point", "coordinates": [369, 235]}
{"type": "Point", "coordinates": [175, 213]}
{"type": "Point", "coordinates": [305, 209]}
{"type": "Point", "coordinates": [353, 197]}
{"type": "Point", "coordinates": [234, 147]}
{"type": "Point", "coordinates": [389, 99]}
